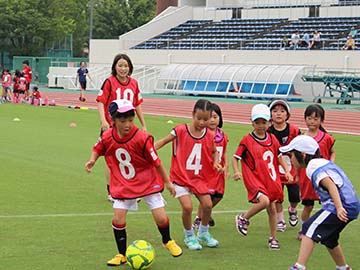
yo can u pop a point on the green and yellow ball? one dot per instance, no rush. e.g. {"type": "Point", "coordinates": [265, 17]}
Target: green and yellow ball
{"type": "Point", "coordinates": [140, 254]}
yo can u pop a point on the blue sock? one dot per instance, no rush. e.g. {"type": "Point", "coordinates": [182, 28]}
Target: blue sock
{"type": "Point", "coordinates": [189, 233]}
{"type": "Point", "coordinates": [203, 229]}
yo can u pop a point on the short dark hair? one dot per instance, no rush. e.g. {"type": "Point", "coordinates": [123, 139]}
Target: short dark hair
{"type": "Point", "coordinates": [203, 104]}
{"type": "Point", "coordinates": [117, 58]}
{"type": "Point", "coordinates": [127, 114]}
{"type": "Point", "coordinates": [26, 62]}
{"type": "Point", "coordinates": [305, 161]}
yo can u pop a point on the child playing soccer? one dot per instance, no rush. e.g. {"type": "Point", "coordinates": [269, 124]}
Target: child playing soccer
{"type": "Point", "coordinates": [135, 172]}
{"type": "Point", "coordinates": [285, 132]}
{"type": "Point", "coordinates": [194, 166]}
{"type": "Point", "coordinates": [6, 85]}
{"type": "Point", "coordinates": [314, 118]}
{"type": "Point", "coordinates": [258, 152]}
{"type": "Point", "coordinates": [221, 141]}
{"type": "Point", "coordinates": [120, 85]}
{"type": "Point", "coordinates": [340, 204]}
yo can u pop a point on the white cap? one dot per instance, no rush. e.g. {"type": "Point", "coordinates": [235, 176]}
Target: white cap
{"type": "Point", "coordinates": [279, 102]}
{"type": "Point", "coordinates": [301, 143]}
{"type": "Point", "coordinates": [260, 111]}
{"type": "Point", "coordinates": [121, 106]}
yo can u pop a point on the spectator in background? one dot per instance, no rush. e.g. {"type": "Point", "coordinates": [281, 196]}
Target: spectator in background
{"type": "Point", "coordinates": [6, 85]}
{"type": "Point", "coordinates": [81, 74]}
{"type": "Point", "coordinates": [349, 44]}
{"type": "Point", "coordinates": [27, 73]}
{"type": "Point", "coordinates": [305, 42]}
{"type": "Point", "coordinates": [315, 42]}
{"type": "Point", "coordinates": [284, 43]}
{"type": "Point", "coordinates": [353, 32]}
{"type": "Point", "coordinates": [295, 40]}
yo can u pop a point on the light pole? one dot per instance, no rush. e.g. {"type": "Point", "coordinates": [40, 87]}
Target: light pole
{"type": "Point", "coordinates": [91, 19]}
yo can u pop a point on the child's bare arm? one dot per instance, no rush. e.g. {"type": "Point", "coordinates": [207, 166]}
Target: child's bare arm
{"type": "Point", "coordinates": [161, 170]}
{"type": "Point", "coordinates": [334, 193]}
{"type": "Point", "coordinates": [93, 158]}
{"type": "Point", "coordinates": [237, 175]}
{"type": "Point", "coordinates": [160, 143]}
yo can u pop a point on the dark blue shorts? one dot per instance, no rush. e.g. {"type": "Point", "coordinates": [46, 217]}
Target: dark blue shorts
{"type": "Point", "coordinates": [324, 227]}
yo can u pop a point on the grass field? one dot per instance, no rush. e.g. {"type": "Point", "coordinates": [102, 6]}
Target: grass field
{"type": "Point", "coordinates": [55, 216]}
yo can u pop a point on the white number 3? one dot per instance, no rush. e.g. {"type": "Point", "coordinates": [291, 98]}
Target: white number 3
{"type": "Point", "coordinates": [126, 168]}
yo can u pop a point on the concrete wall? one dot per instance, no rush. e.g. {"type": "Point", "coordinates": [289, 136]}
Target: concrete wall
{"type": "Point", "coordinates": [346, 11]}
{"type": "Point", "coordinates": [155, 27]}
{"type": "Point", "coordinates": [320, 59]}
{"type": "Point", "coordinates": [263, 3]}
{"type": "Point", "coordinates": [291, 13]}
{"type": "Point", "coordinates": [211, 14]}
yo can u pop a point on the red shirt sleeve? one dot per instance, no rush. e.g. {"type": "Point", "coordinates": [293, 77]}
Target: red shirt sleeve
{"type": "Point", "coordinates": [150, 152]}
{"type": "Point", "coordinates": [99, 147]}
{"type": "Point", "coordinates": [104, 92]}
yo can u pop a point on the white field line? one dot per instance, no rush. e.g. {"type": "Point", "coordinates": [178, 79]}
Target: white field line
{"type": "Point", "coordinates": [110, 214]}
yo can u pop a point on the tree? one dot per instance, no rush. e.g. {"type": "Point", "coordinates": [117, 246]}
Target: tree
{"type": "Point", "coordinates": [30, 27]}
{"type": "Point", "coordinates": [113, 18]}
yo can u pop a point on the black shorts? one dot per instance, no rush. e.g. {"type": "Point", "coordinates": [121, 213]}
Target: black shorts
{"type": "Point", "coordinates": [19, 92]}
{"type": "Point", "coordinates": [324, 227]}
{"type": "Point", "coordinates": [217, 195]}
{"type": "Point", "coordinates": [308, 202]}
{"type": "Point", "coordinates": [293, 193]}
{"type": "Point", "coordinates": [83, 85]}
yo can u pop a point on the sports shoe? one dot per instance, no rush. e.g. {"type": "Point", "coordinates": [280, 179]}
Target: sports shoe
{"type": "Point", "coordinates": [211, 222]}
{"type": "Point", "coordinates": [119, 259]}
{"type": "Point", "coordinates": [299, 236]}
{"type": "Point", "coordinates": [281, 226]}
{"type": "Point", "coordinates": [274, 244]}
{"type": "Point", "coordinates": [207, 238]}
{"type": "Point", "coordinates": [192, 243]}
{"type": "Point", "coordinates": [293, 218]}
{"type": "Point", "coordinates": [173, 248]}
{"type": "Point", "coordinates": [294, 267]}
{"type": "Point", "coordinates": [242, 224]}
{"type": "Point", "coordinates": [196, 223]}
{"type": "Point", "coordinates": [110, 199]}
{"type": "Point", "coordinates": [347, 267]}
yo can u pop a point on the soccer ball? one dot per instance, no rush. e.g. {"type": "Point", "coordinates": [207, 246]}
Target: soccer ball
{"type": "Point", "coordinates": [140, 254]}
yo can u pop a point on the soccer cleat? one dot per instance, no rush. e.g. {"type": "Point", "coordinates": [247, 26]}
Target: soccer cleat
{"type": "Point", "coordinates": [294, 267]}
{"type": "Point", "coordinates": [196, 223]}
{"type": "Point", "coordinates": [110, 199]}
{"type": "Point", "coordinates": [347, 267]}
{"type": "Point", "coordinates": [274, 244]}
{"type": "Point", "coordinates": [293, 218]}
{"type": "Point", "coordinates": [211, 222]}
{"type": "Point", "coordinates": [281, 226]}
{"type": "Point", "coordinates": [173, 248]}
{"type": "Point", "coordinates": [207, 238]}
{"type": "Point", "coordinates": [299, 236]}
{"type": "Point", "coordinates": [119, 259]}
{"type": "Point", "coordinates": [242, 224]}
{"type": "Point", "coordinates": [192, 243]}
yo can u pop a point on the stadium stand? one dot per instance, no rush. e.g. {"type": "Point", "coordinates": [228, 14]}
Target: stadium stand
{"type": "Point", "coordinates": [251, 34]}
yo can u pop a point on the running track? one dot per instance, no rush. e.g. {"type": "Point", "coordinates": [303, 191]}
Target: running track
{"type": "Point", "coordinates": [336, 121]}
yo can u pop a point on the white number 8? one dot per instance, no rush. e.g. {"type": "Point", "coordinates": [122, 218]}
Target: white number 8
{"type": "Point", "coordinates": [126, 168]}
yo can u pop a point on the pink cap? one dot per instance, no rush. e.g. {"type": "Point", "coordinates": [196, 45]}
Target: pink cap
{"type": "Point", "coordinates": [121, 106]}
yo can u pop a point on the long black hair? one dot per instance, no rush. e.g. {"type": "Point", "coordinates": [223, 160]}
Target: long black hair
{"type": "Point", "coordinates": [117, 58]}
{"type": "Point", "coordinates": [318, 111]}
{"type": "Point", "coordinates": [217, 109]}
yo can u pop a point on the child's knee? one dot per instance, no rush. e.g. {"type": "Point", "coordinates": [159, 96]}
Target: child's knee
{"type": "Point", "coordinates": [187, 209]}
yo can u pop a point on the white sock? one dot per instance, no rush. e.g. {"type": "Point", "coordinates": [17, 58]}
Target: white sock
{"type": "Point", "coordinates": [300, 266]}
{"type": "Point", "coordinates": [343, 267]}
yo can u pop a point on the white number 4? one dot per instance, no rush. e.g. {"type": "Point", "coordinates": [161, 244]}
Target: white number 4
{"type": "Point", "coordinates": [194, 160]}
